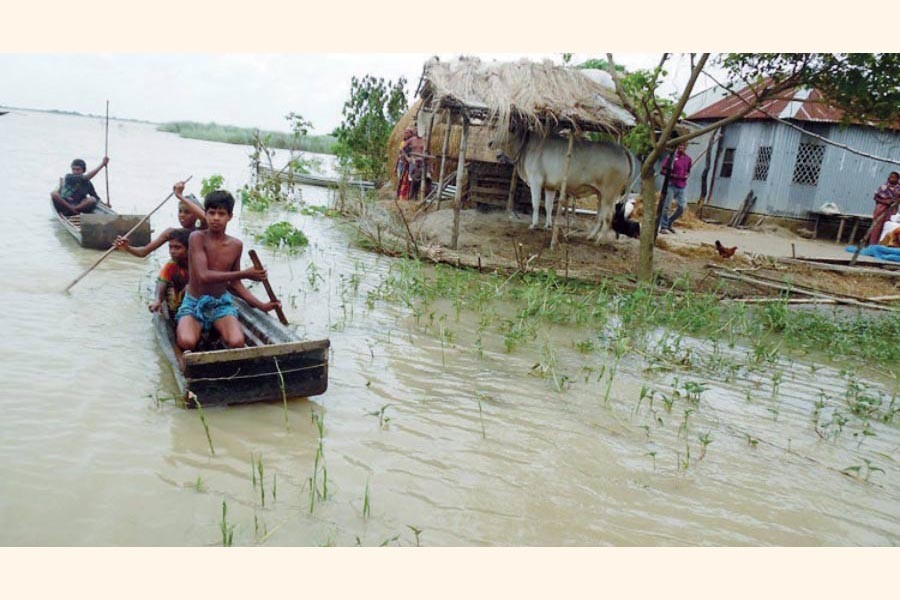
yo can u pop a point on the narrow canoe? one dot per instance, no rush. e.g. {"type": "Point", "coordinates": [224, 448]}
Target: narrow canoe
{"type": "Point", "coordinates": [318, 180]}
{"type": "Point", "coordinates": [98, 229]}
{"type": "Point", "coordinates": [274, 365]}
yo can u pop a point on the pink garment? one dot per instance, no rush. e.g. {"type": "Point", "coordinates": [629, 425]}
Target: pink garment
{"type": "Point", "coordinates": [680, 171]}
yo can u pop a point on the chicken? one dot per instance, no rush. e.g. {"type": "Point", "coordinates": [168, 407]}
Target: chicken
{"type": "Point", "coordinates": [723, 251]}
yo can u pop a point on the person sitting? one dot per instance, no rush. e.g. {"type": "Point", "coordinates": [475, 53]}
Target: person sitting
{"type": "Point", "coordinates": [886, 197]}
{"type": "Point", "coordinates": [173, 278]}
{"type": "Point", "coordinates": [214, 260]}
{"type": "Point", "coordinates": [77, 194]}
{"type": "Point", "coordinates": [189, 214]}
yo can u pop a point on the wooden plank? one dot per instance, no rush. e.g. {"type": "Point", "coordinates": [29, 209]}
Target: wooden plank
{"type": "Point", "coordinates": [233, 354]}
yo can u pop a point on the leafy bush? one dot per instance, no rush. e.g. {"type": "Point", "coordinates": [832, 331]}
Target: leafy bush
{"type": "Point", "coordinates": [283, 235]}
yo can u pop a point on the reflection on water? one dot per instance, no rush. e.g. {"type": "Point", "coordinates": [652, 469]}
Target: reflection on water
{"type": "Point", "coordinates": [465, 447]}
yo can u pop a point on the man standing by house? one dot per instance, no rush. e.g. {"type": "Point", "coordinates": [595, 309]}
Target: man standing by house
{"type": "Point", "coordinates": [681, 169]}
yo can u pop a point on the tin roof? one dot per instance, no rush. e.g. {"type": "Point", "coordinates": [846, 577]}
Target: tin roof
{"type": "Point", "coordinates": [798, 104]}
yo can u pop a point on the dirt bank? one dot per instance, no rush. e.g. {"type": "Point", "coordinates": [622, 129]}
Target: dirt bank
{"type": "Point", "coordinates": [503, 241]}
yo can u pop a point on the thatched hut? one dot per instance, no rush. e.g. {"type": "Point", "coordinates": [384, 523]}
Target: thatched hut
{"type": "Point", "coordinates": [463, 104]}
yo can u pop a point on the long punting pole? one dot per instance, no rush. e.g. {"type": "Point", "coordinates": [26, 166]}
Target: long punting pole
{"type": "Point", "coordinates": [113, 247]}
{"type": "Point", "coordinates": [106, 153]}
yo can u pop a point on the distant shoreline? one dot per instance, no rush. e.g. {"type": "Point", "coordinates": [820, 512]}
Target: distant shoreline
{"type": "Point", "coordinates": [230, 134]}
{"type": "Point", "coordinates": [212, 132]}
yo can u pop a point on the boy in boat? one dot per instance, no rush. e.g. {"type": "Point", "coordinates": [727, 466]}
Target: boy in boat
{"type": "Point", "coordinates": [173, 277]}
{"type": "Point", "coordinates": [189, 213]}
{"type": "Point", "coordinates": [214, 260]}
{"type": "Point", "coordinates": [77, 194]}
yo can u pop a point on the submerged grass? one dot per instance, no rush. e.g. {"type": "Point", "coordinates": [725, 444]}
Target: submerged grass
{"type": "Point", "coordinates": [545, 298]}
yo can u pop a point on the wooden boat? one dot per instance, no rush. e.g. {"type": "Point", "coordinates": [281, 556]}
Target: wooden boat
{"type": "Point", "coordinates": [98, 229]}
{"type": "Point", "coordinates": [318, 180]}
{"type": "Point", "coordinates": [275, 364]}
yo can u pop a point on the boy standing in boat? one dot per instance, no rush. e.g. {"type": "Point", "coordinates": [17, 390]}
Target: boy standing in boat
{"type": "Point", "coordinates": [214, 260]}
{"type": "Point", "coordinates": [173, 278]}
{"type": "Point", "coordinates": [77, 194]}
{"type": "Point", "coordinates": [189, 213]}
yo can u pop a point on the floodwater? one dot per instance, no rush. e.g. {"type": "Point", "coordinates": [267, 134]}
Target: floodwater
{"type": "Point", "coordinates": [424, 439]}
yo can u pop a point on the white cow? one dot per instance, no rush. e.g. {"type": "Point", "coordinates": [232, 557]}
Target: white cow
{"type": "Point", "coordinates": [601, 168]}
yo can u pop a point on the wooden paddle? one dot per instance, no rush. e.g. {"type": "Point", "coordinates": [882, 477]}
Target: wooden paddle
{"type": "Point", "coordinates": [130, 231]}
{"type": "Point", "coordinates": [258, 265]}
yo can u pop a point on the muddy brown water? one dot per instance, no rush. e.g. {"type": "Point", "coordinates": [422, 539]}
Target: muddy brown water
{"type": "Point", "coordinates": [472, 449]}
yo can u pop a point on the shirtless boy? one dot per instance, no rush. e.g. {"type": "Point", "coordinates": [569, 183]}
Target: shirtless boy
{"type": "Point", "coordinates": [214, 260]}
{"type": "Point", "coordinates": [189, 212]}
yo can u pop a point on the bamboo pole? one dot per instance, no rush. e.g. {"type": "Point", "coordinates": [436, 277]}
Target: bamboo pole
{"type": "Point", "coordinates": [562, 191]}
{"type": "Point", "coordinates": [791, 289]}
{"type": "Point", "coordinates": [440, 190]}
{"type": "Point", "coordinates": [130, 231]}
{"type": "Point", "coordinates": [106, 154]}
{"type": "Point", "coordinates": [426, 167]}
{"type": "Point", "coordinates": [460, 173]}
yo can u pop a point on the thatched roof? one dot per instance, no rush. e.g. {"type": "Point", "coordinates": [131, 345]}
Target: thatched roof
{"type": "Point", "coordinates": [544, 95]}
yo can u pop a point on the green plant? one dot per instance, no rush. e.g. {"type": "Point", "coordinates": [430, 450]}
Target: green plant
{"type": "Point", "coordinates": [226, 529]}
{"type": "Point", "coordinates": [283, 235]}
{"type": "Point", "coordinates": [369, 115]}
{"type": "Point", "coordinates": [211, 184]}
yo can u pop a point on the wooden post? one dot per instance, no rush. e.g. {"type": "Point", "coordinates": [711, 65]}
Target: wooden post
{"type": "Point", "coordinates": [715, 167]}
{"type": "Point", "coordinates": [426, 168]}
{"type": "Point", "coordinates": [562, 191]}
{"type": "Point", "coordinates": [440, 190]}
{"type": "Point", "coordinates": [511, 200]}
{"type": "Point", "coordinates": [460, 173]}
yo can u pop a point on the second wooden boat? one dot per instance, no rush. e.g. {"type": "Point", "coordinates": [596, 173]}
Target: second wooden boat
{"type": "Point", "coordinates": [98, 229]}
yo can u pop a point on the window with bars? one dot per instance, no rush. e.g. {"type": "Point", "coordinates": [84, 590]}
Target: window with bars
{"type": "Point", "coordinates": [809, 163]}
{"type": "Point", "coordinates": [763, 158]}
{"type": "Point", "coordinates": [727, 163]}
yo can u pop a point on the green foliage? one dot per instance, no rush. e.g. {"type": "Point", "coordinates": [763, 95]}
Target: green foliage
{"type": "Point", "coordinates": [229, 134]}
{"type": "Point", "coordinates": [863, 85]}
{"type": "Point", "coordinates": [211, 184]}
{"type": "Point", "coordinates": [598, 63]}
{"type": "Point", "coordinates": [283, 235]}
{"type": "Point", "coordinates": [371, 112]}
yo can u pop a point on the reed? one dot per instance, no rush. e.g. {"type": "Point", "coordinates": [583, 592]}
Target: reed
{"type": "Point", "coordinates": [202, 414]}
{"type": "Point", "coordinates": [226, 529]}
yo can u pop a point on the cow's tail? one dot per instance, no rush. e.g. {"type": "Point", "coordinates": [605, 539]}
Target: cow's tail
{"type": "Point", "coordinates": [634, 170]}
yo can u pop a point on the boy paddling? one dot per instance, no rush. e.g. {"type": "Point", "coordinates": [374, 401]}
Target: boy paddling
{"type": "Point", "coordinates": [214, 260]}
{"type": "Point", "coordinates": [189, 213]}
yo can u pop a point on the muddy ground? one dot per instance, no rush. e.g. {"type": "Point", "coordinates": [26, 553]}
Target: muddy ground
{"type": "Point", "coordinates": [499, 240]}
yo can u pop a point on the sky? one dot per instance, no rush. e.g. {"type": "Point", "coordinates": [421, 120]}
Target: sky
{"type": "Point", "coordinates": [248, 90]}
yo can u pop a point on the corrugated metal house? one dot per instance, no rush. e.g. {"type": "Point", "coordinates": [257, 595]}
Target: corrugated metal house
{"type": "Point", "coordinates": [790, 172]}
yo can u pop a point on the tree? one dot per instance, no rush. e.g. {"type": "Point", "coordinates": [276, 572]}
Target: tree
{"type": "Point", "coordinates": [864, 86]}
{"type": "Point", "coordinates": [370, 114]}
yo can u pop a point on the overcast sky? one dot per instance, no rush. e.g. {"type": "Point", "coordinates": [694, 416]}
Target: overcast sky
{"type": "Point", "coordinates": [251, 90]}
